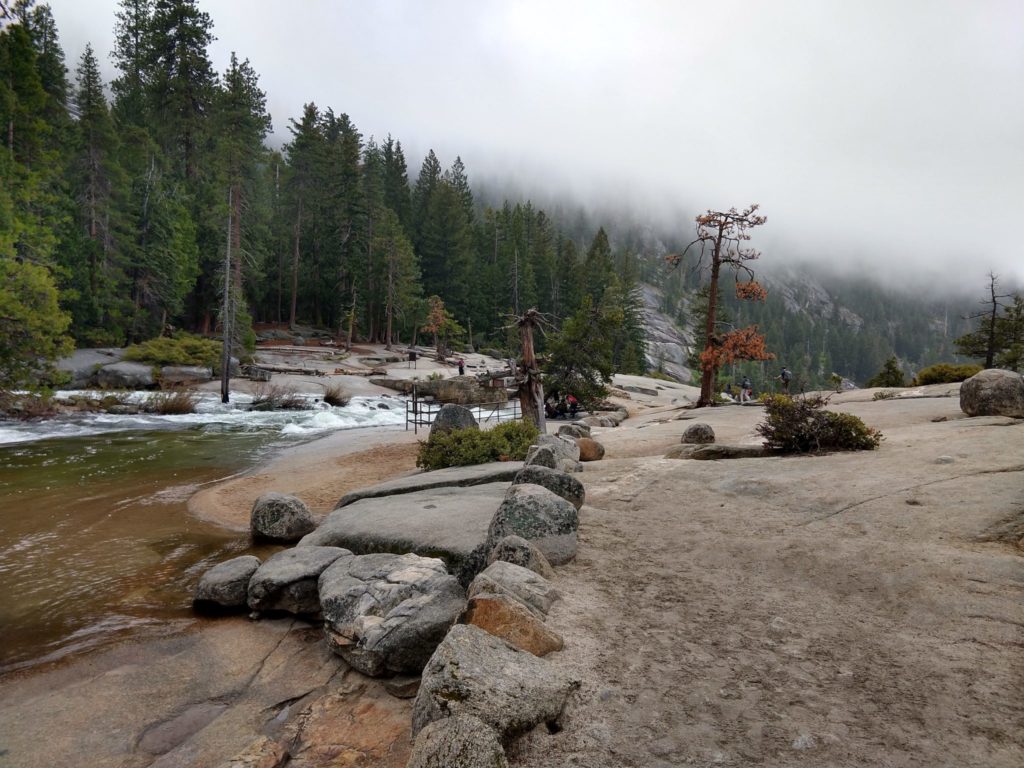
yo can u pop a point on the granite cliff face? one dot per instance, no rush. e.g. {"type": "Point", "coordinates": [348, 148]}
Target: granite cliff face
{"type": "Point", "coordinates": [668, 345]}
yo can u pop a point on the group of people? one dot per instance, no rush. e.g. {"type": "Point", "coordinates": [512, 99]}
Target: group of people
{"type": "Point", "coordinates": [556, 407]}
{"type": "Point", "coordinates": [746, 393]}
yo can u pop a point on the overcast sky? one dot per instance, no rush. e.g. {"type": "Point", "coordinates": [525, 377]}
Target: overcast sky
{"type": "Point", "coordinates": [881, 133]}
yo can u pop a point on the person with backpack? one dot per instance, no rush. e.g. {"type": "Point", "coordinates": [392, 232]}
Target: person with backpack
{"type": "Point", "coordinates": [785, 376]}
{"type": "Point", "coordinates": [746, 390]}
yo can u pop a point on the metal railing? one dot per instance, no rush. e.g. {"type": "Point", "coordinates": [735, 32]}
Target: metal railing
{"type": "Point", "coordinates": [421, 413]}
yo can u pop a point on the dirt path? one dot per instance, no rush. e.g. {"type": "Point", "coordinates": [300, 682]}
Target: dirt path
{"type": "Point", "coordinates": [844, 610]}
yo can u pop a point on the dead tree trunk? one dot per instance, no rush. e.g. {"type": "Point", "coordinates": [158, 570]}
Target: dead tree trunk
{"type": "Point", "coordinates": [531, 390]}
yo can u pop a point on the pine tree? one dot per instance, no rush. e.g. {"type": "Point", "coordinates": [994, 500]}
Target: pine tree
{"type": "Point", "coordinates": [133, 55]}
{"type": "Point", "coordinates": [181, 81]}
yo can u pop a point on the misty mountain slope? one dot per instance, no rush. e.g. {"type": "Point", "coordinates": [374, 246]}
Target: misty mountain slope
{"type": "Point", "coordinates": [667, 346]}
{"type": "Point", "coordinates": [814, 323]}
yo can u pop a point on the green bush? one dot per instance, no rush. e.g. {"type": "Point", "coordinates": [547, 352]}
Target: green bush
{"type": "Point", "coordinates": [945, 373]}
{"type": "Point", "coordinates": [181, 349]}
{"type": "Point", "coordinates": [464, 447]}
{"type": "Point", "coordinates": [803, 426]}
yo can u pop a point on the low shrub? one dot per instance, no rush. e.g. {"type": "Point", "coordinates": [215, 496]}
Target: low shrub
{"type": "Point", "coordinates": [26, 406]}
{"type": "Point", "coordinates": [337, 396]}
{"type": "Point", "coordinates": [885, 394]}
{"type": "Point", "coordinates": [180, 349]}
{"type": "Point", "coordinates": [171, 402]}
{"type": "Point", "coordinates": [464, 447]}
{"type": "Point", "coordinates": [945, 373]}
{"type": "Point", "coordinates": [803, 426]}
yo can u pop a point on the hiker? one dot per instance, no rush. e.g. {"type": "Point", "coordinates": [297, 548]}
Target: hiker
{"type": "Point", "coordinates": [462, 367]}
{"type": "Point", "coordinates": [785, 376]}
{"type": "Point", "coordinates": [574, 404]}
{"type": "Point", "coordinates": [412, 358]}
{"type": "Point", "coordinates": [746, 390]}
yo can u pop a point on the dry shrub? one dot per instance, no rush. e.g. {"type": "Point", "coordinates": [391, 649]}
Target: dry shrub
{"type": "Point", "coordinates": [275, 397]}
{"type": "Point", "coordinates": [337, 396]}
{"type": "Point", "coordinates": [171, 402]}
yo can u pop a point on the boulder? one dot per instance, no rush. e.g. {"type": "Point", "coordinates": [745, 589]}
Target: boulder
{"type": "Point", "coordinates": [993, 392]}
{"type": "Point", "coordinates": [715, 452]}
{"type": "Point", "coordinates": [452, 416]}
{"type": "Point", "coordinates": [180, 375]}
{"type": "Point", "coordinates": [280, 517]}
{"type": "Point", "coordinates": [699, 433]}
{"type": "Point", "coordinates": [83, 364]}
{"type": "Point", "coordinates": [539, 516]}
{"type": "Point", "coordinates": [507, 618]}
{"type": "Point", "coordinates": [537, 456]}
{"type": "Point", "coordinates": [125, 375]}
{"type": "Point", "coordinates": [564, 447]}
{"type": "Point", "coordinates": [518, 551]}
{"type": "Point", "coordinates": [288, 580]}
{"type": "Point", "coordinates": [556, 481]}
{"type": "Point", "coordinates": [463, 741]}
{"type": "Point", "coordinates": [474, 673]}
{"type": "Point", "coordinates": [226, 584]}
{"type": "Point", "coordinates": [385, 614]}
{"type": "Point", "coordinates": [521, 584]}
{"type": "Point", "coordinates": [450, 523]}
{"type": "Point", "coordinates": [574, 430]}
{"type": "Point", "coordinates": [591, 421]}
{"type": "Point", "coordinates": [478, 474]}
{"type": "Point", "coordinates": [590, 449]}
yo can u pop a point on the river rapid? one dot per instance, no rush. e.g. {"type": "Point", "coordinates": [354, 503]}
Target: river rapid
{"type": "Point", "coordinates": [96, 543]}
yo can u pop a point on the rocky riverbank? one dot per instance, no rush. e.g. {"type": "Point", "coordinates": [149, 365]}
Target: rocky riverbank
{"type": "Point", "coordinates": [847, 609]}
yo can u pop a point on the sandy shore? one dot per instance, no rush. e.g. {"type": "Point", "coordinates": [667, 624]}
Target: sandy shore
{"type": "Point", "coordinates": [319, 473]}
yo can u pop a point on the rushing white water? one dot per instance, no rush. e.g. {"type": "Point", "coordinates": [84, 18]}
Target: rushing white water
{"type": "Point", "coordinates": [212, 415]}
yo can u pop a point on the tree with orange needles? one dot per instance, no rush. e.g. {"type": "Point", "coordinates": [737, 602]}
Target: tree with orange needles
{"type": "Point", "coordinates": [720, 242]}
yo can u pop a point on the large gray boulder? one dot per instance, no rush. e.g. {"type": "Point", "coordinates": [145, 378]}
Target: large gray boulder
{"type": "Point", "coordinates": [226, 584]}
{"type": "Point", "coordinates": [574, 430]}
{"type": "Point", "coordinates": [556, 481]}
{"type": "Point", "coordinates": [521, 584]}
{"type": "Point", "coordinates": [540, 456]}
{"type": "Point", "coordinates": [125, 375]}
{"type": "Point", "coordinates": [83, 364]}
{"type": "Point", "coordinates": [462, 741]}
{"type": "Point", "coordinates": [385, 614]}
{"type": "Point", "coordinates": [462, 477]}
{"type": "Point", "coordinates": [539, 516]}
{"type": "Point", "coordinates": [450, 523]}
{"type": "Point", "coordinates": [564, 447]}
{"type": "Point", "coordinates": [180, 375]}
{"type": "Point", "coordinates": [288, 580]}
{"type": "Point", "coordinates": [280, 517]}
{"type": "Point", "coordinates": [698, 434]}
{"type": "Point", "coordinates": [475, 673]}
{"type": "Point", "coordinates": [518, 551]}
{"type": "Point", "coordinates": [993, 392]}
{"type": "Point", "coordinates": [452, 416]}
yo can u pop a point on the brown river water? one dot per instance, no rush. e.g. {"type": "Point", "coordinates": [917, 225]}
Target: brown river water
{"type": "Point", "coordinates": [95, 540]}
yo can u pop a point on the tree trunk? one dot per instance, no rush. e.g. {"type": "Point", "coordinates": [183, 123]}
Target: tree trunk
{"type": "Point", "coordinates": [295, 265]}
{"type": "Point", "coordinates": [389, 306]}
{"type": "Point", "coordinates": [707, 375]}
{"type": "Point", "coordinates": [531, 390]}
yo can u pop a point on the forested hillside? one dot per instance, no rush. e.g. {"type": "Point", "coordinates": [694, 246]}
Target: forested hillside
{"type": "Point", "coordinates": [131, 209]}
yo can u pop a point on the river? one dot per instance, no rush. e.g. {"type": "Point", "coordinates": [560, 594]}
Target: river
{"type": "Point", "coordinates": [96, 543]}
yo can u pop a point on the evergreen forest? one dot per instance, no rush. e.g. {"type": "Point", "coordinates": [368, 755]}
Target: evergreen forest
{"type": "Point", "coordinates": [130, 209]}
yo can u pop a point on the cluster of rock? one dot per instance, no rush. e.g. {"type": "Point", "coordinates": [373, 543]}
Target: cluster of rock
{"type": "Point", "coordinates": [476, 641]}
{"type": "Point", "coordinates": [465, 390]}
{"type": "Point", "coordinates": [105, 369]}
